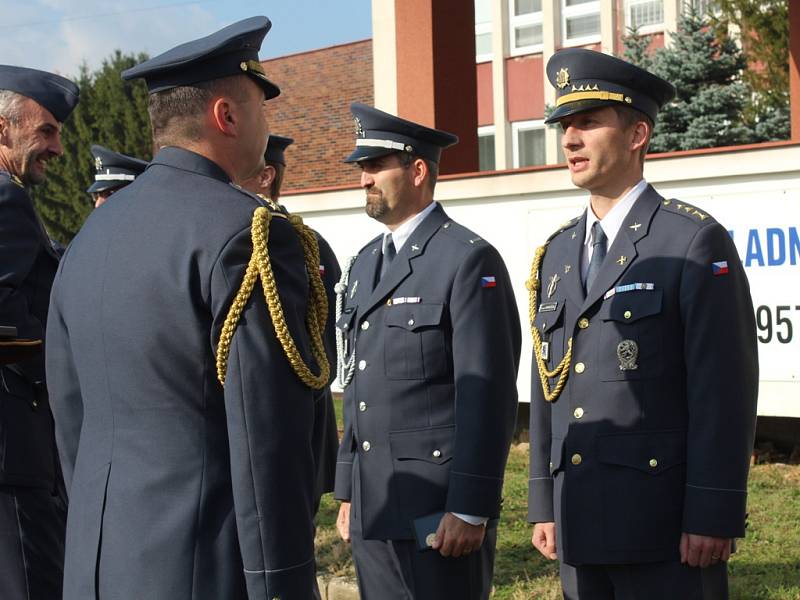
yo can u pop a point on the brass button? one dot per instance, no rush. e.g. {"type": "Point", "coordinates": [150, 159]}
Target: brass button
{"type": "Point", "coordinates": [362, 364]}
{"type": "Point", "coordinates": [577, 459]}
{"type": "Point", "coordinates": [627, 314]}
{"type": "Point", "coordinates": [410, 322]}
{"type": "Point", "coordinates": [365, 326]}
{"type": "Point", "coordinates": [583, 323]}
{"type": "Point", "coordinates": [362, 406]}
{"type": "Point", "coordinates": [35, 403]}
{"type": "Point", "coordinates": [578, 412]}
{"type": "Point", "coordinates": [653, 463]}
{"type": "Point", "coordinates": [366, 446]}
{"type": "Point", "coordinates": [580, 368]}
{"type": "Point", "coordinates": [437, 453]}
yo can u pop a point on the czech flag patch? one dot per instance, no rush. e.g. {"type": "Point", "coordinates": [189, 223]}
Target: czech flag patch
{"type": "Point", "coordinates": [488, 281]}
{"type": "Point", "coordinates": [720, 268]}
{"type": "Point", "coordinates": [322, 270]}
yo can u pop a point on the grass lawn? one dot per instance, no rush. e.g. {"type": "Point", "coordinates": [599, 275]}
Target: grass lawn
{"type": "Point", "coordinates": [766, 566]}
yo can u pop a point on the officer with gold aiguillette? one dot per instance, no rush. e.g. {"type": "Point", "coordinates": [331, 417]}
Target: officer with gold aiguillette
{"type": "Point", "coordinates": [645, 375]}
{"type": "Point", "coordinates": [185, 325]}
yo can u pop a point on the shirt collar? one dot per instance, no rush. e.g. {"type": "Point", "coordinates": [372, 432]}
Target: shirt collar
{"type": "Point", "coordinates": [402, 233]}
{"type": "Point", "coordinates": [612, 222]}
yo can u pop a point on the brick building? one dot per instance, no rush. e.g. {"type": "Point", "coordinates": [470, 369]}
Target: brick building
{"type": "Point", "coordinates": [313, 108]}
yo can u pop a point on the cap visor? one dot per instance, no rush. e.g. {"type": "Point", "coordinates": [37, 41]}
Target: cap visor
{"type": "Point", "coordinates": [576, 107]}
{"type": "Point", "coordinates": [101, 186]}
{"type": "Point", "coordinates": [270, 89]}
{"type": "Point", "coordinates": [365, 152]}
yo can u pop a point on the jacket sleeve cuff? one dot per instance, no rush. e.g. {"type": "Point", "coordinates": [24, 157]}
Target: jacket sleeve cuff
{"type": "Point", "coordinates": [344, 479]}
{"type": "Point", "coordinates": [292, 583]}
{"type": "Point", "coordinates": [714, 512]}
{"type": "Point", "coordinates": [540, 500]}
{"type": "Point", "coordinates": [474, 495]}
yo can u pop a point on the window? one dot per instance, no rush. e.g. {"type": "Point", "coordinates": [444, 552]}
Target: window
{"type": "Point", "coordinates": [529, 143]}
{"type": "Point", "coordinates": [580, 22]}
{"type": "Point", "coordinates": [486, 160]}
{"type": "Point", "coordinates": [645, 15]}
{"type": "Point", "coordinates": [525, 22]}
{"type": "Point", "coordinates": [705, 7]}
{"type": "Point", "coordinates": [483, 30]}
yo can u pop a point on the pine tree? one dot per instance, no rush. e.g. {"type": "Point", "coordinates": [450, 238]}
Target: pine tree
{"type": "Point", "coordinates": [710, 108]}
{"type": "Point", "coordinates": [111, 112]}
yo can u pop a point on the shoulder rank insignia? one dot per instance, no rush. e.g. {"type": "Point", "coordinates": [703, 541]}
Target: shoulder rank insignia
{"type": "Point", "coordinates": [685, 209]}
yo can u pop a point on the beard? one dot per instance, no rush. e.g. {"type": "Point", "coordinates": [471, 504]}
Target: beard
{"type": "Point", "coordinates": [376, 206]}
{"type": "Point", "coordinates": [32, 172]}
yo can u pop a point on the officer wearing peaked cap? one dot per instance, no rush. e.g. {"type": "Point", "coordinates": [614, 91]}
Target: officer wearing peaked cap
{"type": "Point", "coordinates": [185, 340]}
{"type": "Point", "coordinates": [639, 447]}
{"type": "Point", "coordinates": [429, 350]}
{"type": "Point", "coordinates": [267, 184]}
{"type": "Point", "coordinates": [33, 105]}
{"type": "Point", "coordinates": [113, 171]}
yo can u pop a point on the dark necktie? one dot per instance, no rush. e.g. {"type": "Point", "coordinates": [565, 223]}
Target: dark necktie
{"type": "Point", "coordinates": [599, 241]}
{"type": "Point", "coordinates": [389, 253]}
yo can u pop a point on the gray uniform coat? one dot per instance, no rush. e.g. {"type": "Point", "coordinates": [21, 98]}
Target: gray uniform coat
{"type": "Point", "coordinates": [431, 408]}
{"type": "Point", "coordinates": [180, 489]}
{"type": "Point", "coordinates": [626, 460]}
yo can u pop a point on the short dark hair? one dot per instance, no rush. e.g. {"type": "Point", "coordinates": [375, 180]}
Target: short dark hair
{"type": "Point", "coordinates": [628, 117]}
{"type": "Point", "coordinates": [277, 181]}
{"type": "Point", "coordinates": [176, 114]}
{"type": "Point", "coordinates": [406, 158]}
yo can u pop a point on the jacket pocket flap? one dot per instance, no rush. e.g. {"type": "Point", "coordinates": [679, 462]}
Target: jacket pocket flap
{"type": "Point", "coordinates": [629, 307]}
{"type": "Point", "coordinates": [432, 444]}
{"type": "Point", "coordinates": [548, 320]}
{"type": "Point", "coordinates": [345, 322]}
{"type": "Point", "coordinates": [646, 451]}
{"type": "Point", "coordinates": [414, 316]}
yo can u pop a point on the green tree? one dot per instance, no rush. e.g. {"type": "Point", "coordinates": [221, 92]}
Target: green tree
{"type": "Point", "coordinates": [111, 112]}
{"type": "Point", "coordinates": [714, 102]}
{"type": "Point", "coordinates": [763, 27]}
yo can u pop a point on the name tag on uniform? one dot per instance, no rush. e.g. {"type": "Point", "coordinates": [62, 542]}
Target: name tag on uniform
{"type": "Point", "coordinates": [548, 307]}
{"type": "Point", "coordinates": [630, 287]}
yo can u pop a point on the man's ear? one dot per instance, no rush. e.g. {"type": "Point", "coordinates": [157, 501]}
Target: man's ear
{"type": "Point", "coordinates": [640, 135]}
{"type": "Point", "coordinates": [420, 172]}
{"type": "Point", "coordinates": [266, 178]}
{"type": "Point", "coordinates": [224, 117]}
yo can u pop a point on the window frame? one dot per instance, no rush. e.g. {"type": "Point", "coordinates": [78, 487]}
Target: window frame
{"type": "Point", "coordinates": [524, 20]}
{"type": "Point", "coordinates": [486, 131]}
{"type": "Point", "coordinates": [520, 126]}
{"type": "Point", "coordinates": [646, 29]}
{"type": "Point", "coordinates": [568, 12]}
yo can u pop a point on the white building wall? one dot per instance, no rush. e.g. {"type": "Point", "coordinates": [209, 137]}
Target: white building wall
{"type": "Point", "coordinates": [754, 192]}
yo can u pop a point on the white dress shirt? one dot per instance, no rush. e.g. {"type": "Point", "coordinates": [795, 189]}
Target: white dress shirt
{"type": "Point", "coordinates": [611, 223]}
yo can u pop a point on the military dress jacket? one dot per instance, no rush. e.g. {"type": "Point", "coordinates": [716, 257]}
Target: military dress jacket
{"type": "Point", "coordinates": [28, 264]}
{"type": "Point", "coordinates": [326, 434]}
{"type": "Point", "coordinates": [431, 407]}
{"type": "Point", "coordinates": [653, 432]}
{"type": "Point", "coordinates": [180, 488]}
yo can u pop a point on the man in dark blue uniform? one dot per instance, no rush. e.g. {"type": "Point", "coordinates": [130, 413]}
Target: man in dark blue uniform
{"type": "Point", "coordinates": [113, 171]}
{"type": "Point", "coordinates": [325, 439]}
{"type": "Point", "coordinates": [33, 105]}
{"type": "Point", "coordinates": [645, 370]}
{"type": "Point", "coordinates": [179, 487]}
{"type": "Point", "coordinates": [429, 355]}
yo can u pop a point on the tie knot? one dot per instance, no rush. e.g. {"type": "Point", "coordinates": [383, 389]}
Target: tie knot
{"type": "Point", "coordinates": [598, 235]}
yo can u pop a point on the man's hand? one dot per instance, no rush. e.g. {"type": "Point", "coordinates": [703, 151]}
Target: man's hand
{"type": "Point", "coordinates": [702, 550]}
{"type": "Point", "coordinates": [544, 539]}
{"type": "Point", "coordinates": [455, 537]}
{"type": "Point", "coordinates": [343, 521]}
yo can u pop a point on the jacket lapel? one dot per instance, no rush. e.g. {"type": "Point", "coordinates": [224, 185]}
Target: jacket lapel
{"type": "Point", "coordinates": [572, 278]}
{"type": "Point", "coordinates": [412, 249]}
{"type": "Point", "coordinates": [623, 251]}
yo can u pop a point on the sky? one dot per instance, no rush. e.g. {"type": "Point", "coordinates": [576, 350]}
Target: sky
{"type": "Point", "coordinates": [59, 35]}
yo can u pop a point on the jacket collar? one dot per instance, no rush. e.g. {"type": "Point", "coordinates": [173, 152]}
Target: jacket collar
{"type": "Point", "coordinates": [186, 160]}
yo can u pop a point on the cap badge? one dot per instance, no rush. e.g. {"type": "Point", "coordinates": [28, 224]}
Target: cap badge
{"type": "Point", "coordinates": [98, 164]}
{"type": "Point", "coordinates": [562, 78]}
{"type": "Point", "coordinates": [409, 149]}
{"type": "Point", "coordinates": [359, 129]}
